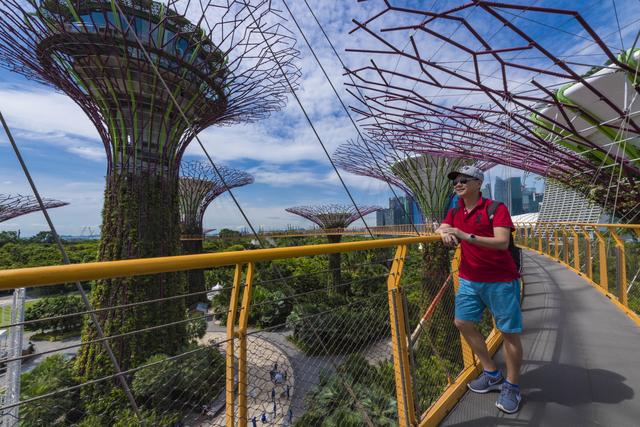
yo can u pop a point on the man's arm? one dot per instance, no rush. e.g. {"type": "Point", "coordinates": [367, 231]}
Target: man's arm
{"type": "Point", "coordinates": [500, 239]}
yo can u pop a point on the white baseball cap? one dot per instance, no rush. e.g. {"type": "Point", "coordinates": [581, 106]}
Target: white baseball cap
{"type": "Point", "coordinates": [469, 171]}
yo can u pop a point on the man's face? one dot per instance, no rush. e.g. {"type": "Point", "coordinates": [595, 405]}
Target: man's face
{"type": "Point", "coordinates": [465, 185]}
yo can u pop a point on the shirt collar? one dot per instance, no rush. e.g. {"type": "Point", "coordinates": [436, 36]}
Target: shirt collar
{"type": "Point", "coordinates": [481, 201]}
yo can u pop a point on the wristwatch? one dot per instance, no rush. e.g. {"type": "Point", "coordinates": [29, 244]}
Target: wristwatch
{"type": "Point", "coordinates": [472, 237]}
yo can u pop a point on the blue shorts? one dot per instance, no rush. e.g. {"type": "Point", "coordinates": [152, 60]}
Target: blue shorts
{"type": "Point", "coordinates": [501, 298]}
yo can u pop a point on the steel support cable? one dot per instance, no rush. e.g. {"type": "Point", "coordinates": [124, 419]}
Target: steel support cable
{"type": "Point", "coordinates": [344, 107]}
{"type": "Point", "coordinates": [178, 322]}
{"type": "Point", "coordinates": [304, 111]}
{"type": "Point", "coordinates": [174, 297]}
{"type": "Point", "coordinates": [66, 260]}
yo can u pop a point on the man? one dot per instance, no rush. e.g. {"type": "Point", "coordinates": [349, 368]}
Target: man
{"type": "Point", "coordinates": [489, 279]}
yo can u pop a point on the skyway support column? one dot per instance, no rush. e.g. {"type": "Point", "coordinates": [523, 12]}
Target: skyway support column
{"type": "Point", "coordinates": [399, 338]}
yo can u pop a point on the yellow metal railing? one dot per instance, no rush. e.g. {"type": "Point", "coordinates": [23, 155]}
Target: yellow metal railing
{"type": "Point", "coordinates": [575, 245]}
{"type": "Point", "coordinates": [607, 255]}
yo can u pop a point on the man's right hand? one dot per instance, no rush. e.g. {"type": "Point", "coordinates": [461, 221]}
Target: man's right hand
{"type": "Point", "coordinates": [447, 238]}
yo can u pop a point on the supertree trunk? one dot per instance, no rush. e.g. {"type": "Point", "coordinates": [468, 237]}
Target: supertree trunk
{"type": "Point", "coordinates": [334, 267]}
{"type": "Point", "coordinates": [195, 278]}
{"type": "Point", "coordinates": [140, 220]}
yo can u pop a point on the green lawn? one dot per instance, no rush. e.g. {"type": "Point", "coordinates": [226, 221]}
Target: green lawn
{"type": "Point", "coordinates": [5, 312]}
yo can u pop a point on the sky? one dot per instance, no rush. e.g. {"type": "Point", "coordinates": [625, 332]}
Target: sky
{"type": "Point", "coordinates": [66, 157]}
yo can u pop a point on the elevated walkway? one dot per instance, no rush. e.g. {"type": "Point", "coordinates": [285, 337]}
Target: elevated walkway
{"type": "Point", "coordinates": [581, 362]}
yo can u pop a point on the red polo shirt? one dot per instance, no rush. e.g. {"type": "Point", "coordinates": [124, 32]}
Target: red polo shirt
{"type": "Point", "coordinates": [480, 264]}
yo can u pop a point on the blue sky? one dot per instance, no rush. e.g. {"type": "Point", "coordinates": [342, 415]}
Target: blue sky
{"type": "Point", "coordinates": [66, 157]}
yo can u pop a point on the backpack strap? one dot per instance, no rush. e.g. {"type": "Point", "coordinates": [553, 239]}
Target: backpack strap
{"type": "Point", "coordinates": [491, 210]}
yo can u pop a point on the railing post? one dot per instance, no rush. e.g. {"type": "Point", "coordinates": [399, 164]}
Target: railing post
{"type": "Point", "coordinates": [565, 245]}
{"type": "Point", "coordinates": [468, 358]}
{"type": "Point", "coordinates": [540, 229]}
{"type": "Point", "coordinates": [602, 261]}
{"type": "Point", "coordinates": [576, 249]}
{"type": "Point", "coordinates": [622, 268]}
{"type": "Point", "coordinates": [242, 354]}
{"type": "Point", "coordinates": [399, 339]}
{"type": "Point", "coordinates": [230, 371]}
{"type": "Point", "coordinates": [556, 242]}
{"type": "Point", "coordinates": [587, 254]}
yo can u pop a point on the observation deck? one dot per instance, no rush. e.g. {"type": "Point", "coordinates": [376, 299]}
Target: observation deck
{"type": "Point", "coordinates": [389, 354]}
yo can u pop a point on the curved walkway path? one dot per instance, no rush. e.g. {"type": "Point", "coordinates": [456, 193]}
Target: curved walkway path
{"type": "Point", "coordinates": [581, 362]}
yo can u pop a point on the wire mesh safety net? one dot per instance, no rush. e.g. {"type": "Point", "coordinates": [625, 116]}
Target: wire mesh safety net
{"type": "Point", "coordinates": [318, 352]}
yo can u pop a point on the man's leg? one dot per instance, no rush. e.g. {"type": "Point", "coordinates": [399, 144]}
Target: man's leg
{"type": "Point", "coordinates": [513, 356]}
{"type": "Point", "coordinates": [477, 343]}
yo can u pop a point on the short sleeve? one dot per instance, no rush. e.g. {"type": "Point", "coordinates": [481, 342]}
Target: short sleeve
{"type": "Point", "coordinates": [502, 218]}
{"type": "Point", "coordinates": [449, 218]}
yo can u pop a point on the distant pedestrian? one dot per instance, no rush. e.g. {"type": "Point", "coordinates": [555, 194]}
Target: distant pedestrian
{"type": "Point", "coordinates": [272, 375]}
{"type": "Point", "coordinates": [290, 414]}
{"type": "Point", "coordinates": [285, 375]}
{"type": "Point", "coordinates": [254, 422]}
{"type": "Point", "coordinates": [279, 378]}
{"type": "Point", "coordinates": [275, 366]}
{"type": "Point", "coordinates": [263, 418]}
{"type": "Point", "coordinates": [273, 394]}
{"type": "Point", "coordinates": [288, 395]}
{"type": "Point", "coordinates": [275, 409]}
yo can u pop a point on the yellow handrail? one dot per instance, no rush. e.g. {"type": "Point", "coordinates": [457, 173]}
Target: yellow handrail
{"type": "Point", "coordinates": [53, 275]}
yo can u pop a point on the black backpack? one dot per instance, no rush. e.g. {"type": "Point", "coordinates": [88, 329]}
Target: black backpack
{"type": "Point", "coordinates": [516, 252]}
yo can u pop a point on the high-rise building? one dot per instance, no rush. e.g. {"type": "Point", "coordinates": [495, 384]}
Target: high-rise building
{"type": "Point", "coordinates": [514, 187]}
{"type": "Point", "coordinates": [402, 210]}
{"type": "Point", "coordinates": [486, 191]}
{"type": "Point", "coordinates": [500, 191]}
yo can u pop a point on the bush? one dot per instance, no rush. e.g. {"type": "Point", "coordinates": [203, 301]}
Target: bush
{"type": "Point", "coordinates": [55, 306]}
{"type": "Point", "coordinates": [269, 307]}
{"type": "Point", "coordinates": [321, 328]}
{"type": "Point", "coordinates": [189, 381]}
{"type": "Point", "coordinates": [356, 393]}
{"type": "Point", "coordinates": [53, 374]}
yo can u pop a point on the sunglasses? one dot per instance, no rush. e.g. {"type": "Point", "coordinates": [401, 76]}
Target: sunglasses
{"type": "Point", "coordinates": [463, 180]}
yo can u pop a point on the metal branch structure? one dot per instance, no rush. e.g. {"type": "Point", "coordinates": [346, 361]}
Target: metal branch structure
{"type": "Point", "coordinates": [199, 185]}
{"type": "Point", "coordinates": [476, 79]}
{"type": "Point", "coordinates": [422, 176]}
{"type": "Point", "coordinates": [13, 206]}
{"type": "Point", "coordinates": [150, 76]}
{"type": "Point", "coordinates": [333, 218]}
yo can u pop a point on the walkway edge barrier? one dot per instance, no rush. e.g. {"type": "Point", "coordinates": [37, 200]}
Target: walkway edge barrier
{"type": "Point", "coordinates": [58, 274]}
{"type": "Point", "coordinates": [630, 313]}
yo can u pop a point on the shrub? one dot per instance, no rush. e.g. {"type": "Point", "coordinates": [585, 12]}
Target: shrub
{"type": "Point", "coordinates": [55, 306]}
{"type": "Point", "coordinates": [188, 381]}
{"type": "Point", "coordinates": [53, 374]}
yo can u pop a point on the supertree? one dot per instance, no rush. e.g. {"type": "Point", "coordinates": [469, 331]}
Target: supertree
{"type": "Point", "coordinates": [424, 178]}
{"type": "Point", "coordinates": [150, 76]}
{"type": "Point", "coordinates": [13, 206]}
{"type": "Point", "coordinates": [199, 185]}
{"type": "Point", "coordinates": [493, 82]}
{"type": "Point", "coordinates": [333, 218]}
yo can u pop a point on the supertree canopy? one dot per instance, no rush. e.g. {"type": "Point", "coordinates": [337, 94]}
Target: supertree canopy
{"type": "Point", "coordinates": [333, 217]}
{"type": "Point", "coordinates": [13, 206]}
{"type": "Point", "coordinates": [526, 86]}
{"type": "Point", "coordinates": [199, 185]}
{"type": "Point", "coordinates": [150, 76]}
{"type": "Point", "coordinates": [422, 176]}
